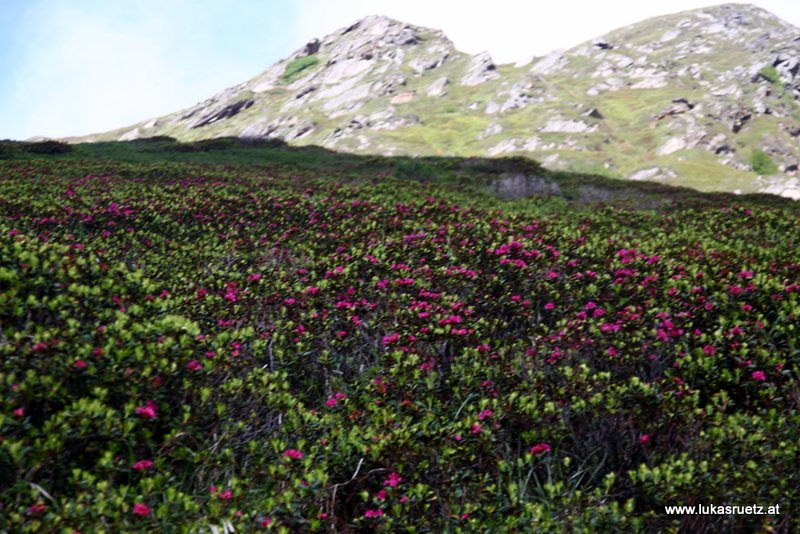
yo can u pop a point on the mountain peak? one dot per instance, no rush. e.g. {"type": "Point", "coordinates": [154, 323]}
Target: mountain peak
{"type": "Point", "coordinates": [686, 98]}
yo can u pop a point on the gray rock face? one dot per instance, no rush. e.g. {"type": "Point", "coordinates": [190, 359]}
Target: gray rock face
{"type": "Point", "coordinates": [439, 87]}
{"type": "Point", "coordinates": [226, 112]}
{"type": "Point", "coordinates": [284, 128]}
{"type": "Point", "coordinates": [480, 70]}
{"type": "Point", "coordinates": [566, 126]}
{"type": "Point", "coordinates": [678, 106]}
{"type": "Point", "coordinates": [674, 144]}
{"type": "Point", "coordinates": [492, 129]}
{"type": "Point", "coordinates": [549, 64]}
{"type": "Point", "coordinates": [653, 173]}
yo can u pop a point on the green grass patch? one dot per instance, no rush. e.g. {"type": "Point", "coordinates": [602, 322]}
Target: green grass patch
{"type": "Point", "coordinates": [297, 67]}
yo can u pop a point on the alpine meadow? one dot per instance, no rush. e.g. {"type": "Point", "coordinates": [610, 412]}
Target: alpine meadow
{"type": "Point", "coordinates": [388, 286]}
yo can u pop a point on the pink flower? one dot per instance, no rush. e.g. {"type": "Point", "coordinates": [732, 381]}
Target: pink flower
{"type": "Point", "coordinates": [141, 509]}
{"type": "Point", "coordinates": [254, 277]}
{"type": "Point", "coordinates": [391, 338]}
{"type": "Point", "coordinates": [457, 437]}
{"type": "Point", "coordinates": [393, 480]}
{"type": "Point", "coordinates": [758, 375]}
{"type": "Point", "coordinates": [373, 513]}
{"type": "Point", "coordinates": [644, 438]}
{"type": "Point", "coordinates": [231, 296]}
{"type": "Point", "coordinates": [485, 414]}
{"type": "Point", "coordinates": [549, 306]}
{"type": "Point", "coordinates": [19, 412]}
{"type": "Point", "coordinates": [476, 428]}
{"type": "Point", "coordinates": [80, 364]}
{"type": "Point", "coordinates": [381, 495]}
{"type": "Point", "coordinates": [265, 522]}
{"type": "Point", "coordinates": [709, 349]}
{"type": "Point", "coordinates": [194, 365]}
{"type": "Point", "coordinates": [540, 449]}
{"type": "Point", "coordinates": [294, 454]}
{"type": "Point", "coordinates": [331, 402]}
{"type": "Point", "coordinates": [37, 508]}
{"type": "Point", "coordinates": [225, 495]}
{"type": "Point", "coordinates": [148, 411]}
{"type": "Point", "coordinates": [141, 465]}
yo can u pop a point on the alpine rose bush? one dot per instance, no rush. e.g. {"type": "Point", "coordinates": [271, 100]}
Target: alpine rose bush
{"type": "Point", "coordinates": [381, 355]}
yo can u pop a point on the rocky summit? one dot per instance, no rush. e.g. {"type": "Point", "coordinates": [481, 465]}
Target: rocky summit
{"type": "Point", "coordinates": [707, 98]}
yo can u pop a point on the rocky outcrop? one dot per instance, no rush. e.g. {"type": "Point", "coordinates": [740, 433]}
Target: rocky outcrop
{"type": "Point", "coordinates": [284, 128]}
{"type": "Point", "coordinates": [481, 69]}
{"type": "Point", "coordinates": [439, 87]}
{"type": "Point", "coordinates": [226, 112]}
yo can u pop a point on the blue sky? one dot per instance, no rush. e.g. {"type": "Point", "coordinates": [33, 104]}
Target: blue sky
{"type": "Point", "coordinates": [72, 67]}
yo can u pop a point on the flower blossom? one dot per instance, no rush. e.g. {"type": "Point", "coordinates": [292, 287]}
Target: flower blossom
{"type": "Point", "coordinates": [294, 454]}
{"type": "Point", "coordinates": [540, 449]}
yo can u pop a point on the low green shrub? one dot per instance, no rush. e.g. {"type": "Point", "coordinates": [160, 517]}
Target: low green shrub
{"type": "Point", "coordinates": [762, 163]}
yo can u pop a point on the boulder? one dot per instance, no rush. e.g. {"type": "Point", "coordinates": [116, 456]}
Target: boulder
{"type": "Point", "coordinates": [480, 70]}
{"type": "Point", "coordinates": [652, 174]}
{"type": "Point", "coordinates": [311, 48]}
{"type": "Point", "coordinates": [594, 113]}
{"type": "Point", "coordinates": [518, 99]}
{"type": "Point", "coordinates": [492, 129]}
{"type": "Point", "coordinates": [739, 118]}
{"type": "Point", "coordinates": [492, 107]}
{"type": "Point", "coordinates": [674, 144]}
{"type": "Point", "coordinates": [678, 106]}
{"type": "Point", "coordinates": [603, 44]}
{"type": "Point", "coordinates": [439, 87]}
{"type": "Point", "coordinates": [504, 146]}
{"type": "Point", "coordinates": [549, 64]}
{"type": "Point", "coordinates": [566, 126]}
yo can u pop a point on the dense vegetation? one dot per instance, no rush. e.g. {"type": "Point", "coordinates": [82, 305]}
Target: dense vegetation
{"type": "Point", "coordinates": [290, 346]}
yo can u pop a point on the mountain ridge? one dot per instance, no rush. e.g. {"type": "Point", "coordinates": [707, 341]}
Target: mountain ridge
{"type": "Point", "coordinates": [687, 98]}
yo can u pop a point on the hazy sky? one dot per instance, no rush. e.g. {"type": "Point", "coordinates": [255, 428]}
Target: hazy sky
{"type": "Point", "coordinates": [71, 67]}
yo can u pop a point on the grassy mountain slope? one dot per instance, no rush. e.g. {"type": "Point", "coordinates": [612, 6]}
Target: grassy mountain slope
{"type": "Point", "coordinates": [685, 99]}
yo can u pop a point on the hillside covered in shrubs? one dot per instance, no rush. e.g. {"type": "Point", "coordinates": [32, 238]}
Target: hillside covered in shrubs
{"type": "Point", "coordinates": [200, 347]}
